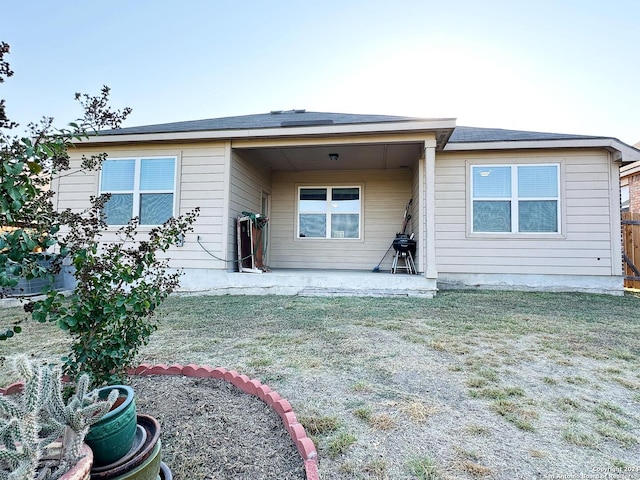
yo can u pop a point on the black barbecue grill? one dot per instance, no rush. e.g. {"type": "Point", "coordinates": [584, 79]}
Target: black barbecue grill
{"type": "Point", "coordinates": [405, 247]}
{"type": "Point", "coordinates": [404, 244]}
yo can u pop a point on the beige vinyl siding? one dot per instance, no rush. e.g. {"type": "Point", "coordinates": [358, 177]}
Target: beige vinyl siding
{"type": "Point", "coordinates": [384, 194]}
{"type": "Point", "coordinates": [200, 183]}
{"type": "Point", "coordinates": [584, 246]}
{"type": "Point", "coordinates": [248, 181]}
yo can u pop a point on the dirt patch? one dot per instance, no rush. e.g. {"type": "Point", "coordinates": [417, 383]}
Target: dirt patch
{"type": "Point", "coordinates": [212, 430]}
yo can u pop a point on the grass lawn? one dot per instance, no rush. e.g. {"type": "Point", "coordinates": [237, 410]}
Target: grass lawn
{"type": "Point", "coordinates": [500, 385]}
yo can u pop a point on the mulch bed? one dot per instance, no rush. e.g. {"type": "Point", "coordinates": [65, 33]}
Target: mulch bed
{"type": "Point", "coordinates": [212, 430]}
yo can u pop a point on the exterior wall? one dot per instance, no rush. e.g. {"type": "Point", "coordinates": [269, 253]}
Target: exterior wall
{"type": "Point", "coordinates": [201, 183]}
{"type": "Point", "coordinates": [588, 244]}
{"type": "Point", "coordinates": [224, 182]}
{"type": "Point", "coordinates": [247, 184]}
{"type": "Point", "coordinates": [385, 194]}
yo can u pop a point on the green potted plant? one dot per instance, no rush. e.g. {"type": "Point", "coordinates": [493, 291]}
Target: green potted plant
{"type": "Point", "coordinates": [112, 436]}
{"type": "Point", "coordinates": [41, 435]}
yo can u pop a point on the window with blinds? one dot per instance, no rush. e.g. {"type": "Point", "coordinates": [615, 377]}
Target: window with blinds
{"type": "Point", "coordinates": [515, 198]}
{"type": "Point", "coordinates": [139, 187]}
{"type": "Point", "coordinates": [329, 212]}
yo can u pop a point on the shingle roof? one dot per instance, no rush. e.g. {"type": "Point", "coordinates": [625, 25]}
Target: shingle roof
{"type": "Point", "coordinates": [478, 135]}
{"type": "Point", "coordinates": [298, 118]}
{"type": "Point", "coordinates": [275, 119]}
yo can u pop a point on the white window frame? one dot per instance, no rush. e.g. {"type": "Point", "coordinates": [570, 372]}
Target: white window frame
{"type": "Point", "coordinates": [328, 212]}
{"type": "Point", "coordinates": [515, 198]}
{"type": "Point", "coordinates": [136, 191]}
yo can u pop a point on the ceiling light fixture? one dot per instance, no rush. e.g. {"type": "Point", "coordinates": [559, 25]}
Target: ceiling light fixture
{"type": "Point", "coordinates": [334, 156]}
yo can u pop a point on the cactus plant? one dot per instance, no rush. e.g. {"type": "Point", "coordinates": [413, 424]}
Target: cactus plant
{"type": "Point", "coordinates": [40, 434]}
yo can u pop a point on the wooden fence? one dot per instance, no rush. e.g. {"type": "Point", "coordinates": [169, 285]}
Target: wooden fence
{"type": "Point", "coordinates": [631, 249]}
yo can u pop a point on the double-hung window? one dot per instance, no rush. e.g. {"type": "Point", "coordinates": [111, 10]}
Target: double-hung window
{"type": "Point", "coordinates": [139, 187]}
{"type": "Point", "coordinates": [515, 198]}
{"type": "Point", "coordinates": [329, 212]}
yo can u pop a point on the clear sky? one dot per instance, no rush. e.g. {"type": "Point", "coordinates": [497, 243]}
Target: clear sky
{"type": "Point", "coordinates": [566, 66]}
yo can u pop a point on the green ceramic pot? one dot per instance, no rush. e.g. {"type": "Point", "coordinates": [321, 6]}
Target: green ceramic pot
{"type": "Point", "coordinates": [112, 436]}
{"type": "Point", "coordinates": [149, 470]}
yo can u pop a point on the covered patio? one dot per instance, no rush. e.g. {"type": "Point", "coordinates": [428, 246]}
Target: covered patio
{"type": "Point", "coordinates": [385, 167]}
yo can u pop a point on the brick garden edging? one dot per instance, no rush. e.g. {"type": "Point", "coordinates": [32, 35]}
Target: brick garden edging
{"type": "Point", "coordinates": [282, 407]}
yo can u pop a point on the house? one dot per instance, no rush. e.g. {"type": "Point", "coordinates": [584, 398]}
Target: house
{"type": "Point", "coordinates": [630, 186]}
{"type": "Point", "coordinates": [487, 208]}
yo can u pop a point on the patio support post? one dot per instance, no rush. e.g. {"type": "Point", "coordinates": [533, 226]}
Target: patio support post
{"type": "Point", "coordinates": [229, 233]}
{"type": "Point", "coordinates": [422, 232]}
{"type": "Point", "coordinates": [429, 233]}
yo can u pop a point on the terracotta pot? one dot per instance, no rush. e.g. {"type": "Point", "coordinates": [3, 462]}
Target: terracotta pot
{"type": "Point", "coordinates": [82, 469]}
{"type": "Point", "coordinates": [111, 437]}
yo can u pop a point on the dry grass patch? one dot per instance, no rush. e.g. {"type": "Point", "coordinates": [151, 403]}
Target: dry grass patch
{"type": "Point", "coordinates": [376, 469]}
{"type": "Point", "coordinates": [475, 429]}
{"type": "Point", "coordinates": [476, 469]}
{"type": "Point", "coordinates": [497, 393]}
{"type": "Point", "coordinates": [623, 354]}
{"type": "Point", "coordinates": [361, 387]}
{"type": "Point", "coordinates": [579, 437]}
{"type": "Point", "coordinates": [624, 438]}
{"type": "Point", "coordinates": [626, 383]}
{"type": "Point", "coordinates": [567, 404]}
{"type": "Point", "coordinates": [319, 425]}
{"type": "Point", "coordinates": [449, 346]}
{"type": "Point", "coordinates": [609, 413]}
{"type": "Point", "coordinates": [418, 411]}
{"type": "Point", "coordinates": [612, 370]}
{"type": "Point", "coordinates": [515, 413]}
{"type": "Point", "coordinates": [477, 382]}
{"type": "Point", "coordinates": [535, 453]}
{"type": "Point", "coordinates": [382, 421]}
{"type": "Point", "coordinates": [576, 380]}
{"type": "Point", "coordinates": [467, 454]}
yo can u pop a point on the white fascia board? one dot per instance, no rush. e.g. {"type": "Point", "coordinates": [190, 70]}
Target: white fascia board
{"type": "Point", "coordinates": [364, 128]}
{"type": "Point", "coordinates": [626, 153]}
